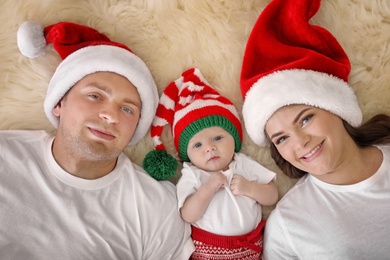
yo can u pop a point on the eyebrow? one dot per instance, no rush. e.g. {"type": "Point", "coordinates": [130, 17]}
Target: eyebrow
{"type": "Point", "coordinates": [293, 122]}
{"type": "Point", "coordinates": [299, 115]}
{"type": "Point", "coordinates": [109, 92]}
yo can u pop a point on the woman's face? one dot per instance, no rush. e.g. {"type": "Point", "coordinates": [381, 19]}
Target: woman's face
{"type": "Point", "coordinates": [309, 138]}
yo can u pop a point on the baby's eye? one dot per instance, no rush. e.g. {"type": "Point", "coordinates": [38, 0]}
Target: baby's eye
{"type": "Point", "coordinates": [217, 138]}
{"type": "Point", "coordinates": [197, 145]}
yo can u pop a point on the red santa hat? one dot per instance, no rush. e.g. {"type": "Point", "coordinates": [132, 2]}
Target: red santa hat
{"type": "Point", "coordinates": [189, 104]}
{"type": "Point", "coordinates": [289, 61]}
{"type": "Point", "coordinates": [84, 51]}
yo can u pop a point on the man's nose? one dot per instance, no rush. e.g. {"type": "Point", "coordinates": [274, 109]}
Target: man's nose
{"type": "Point", "coordinates": [109, 113]}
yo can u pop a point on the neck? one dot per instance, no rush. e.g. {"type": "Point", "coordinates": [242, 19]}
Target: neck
{"type": "Point", "coordinates": [357, 165]}
{"type": "Point", "coordinates": [81, 167]}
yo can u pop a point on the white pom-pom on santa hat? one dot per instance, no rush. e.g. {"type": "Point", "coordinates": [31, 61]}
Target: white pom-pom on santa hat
{"type": "Point", "coordinates": [30, 39]}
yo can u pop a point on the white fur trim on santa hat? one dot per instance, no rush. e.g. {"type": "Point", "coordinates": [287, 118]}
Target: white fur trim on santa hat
{"type": "Point", "coordinates": [297, 86]}
{"type": "Point", "coordinates": [104, 58]}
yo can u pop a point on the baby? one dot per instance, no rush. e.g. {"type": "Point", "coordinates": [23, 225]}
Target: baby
{"type": "Point", "coordinates": [221, 190]}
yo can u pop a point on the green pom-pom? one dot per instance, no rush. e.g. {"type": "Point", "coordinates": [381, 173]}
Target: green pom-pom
{"type": "Point", "coordinates": [160, 165]}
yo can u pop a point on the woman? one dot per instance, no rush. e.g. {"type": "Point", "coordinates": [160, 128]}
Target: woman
{"type": "Point", "coordinates": [340, 208]}
{"type": "Point", "coordinates": [298, 101]}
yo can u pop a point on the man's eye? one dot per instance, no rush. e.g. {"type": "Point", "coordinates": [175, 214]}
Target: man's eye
{"type": "Point", "coordinates": [93, 96]}
{"type": "Point", "coordinates": [128, 110]}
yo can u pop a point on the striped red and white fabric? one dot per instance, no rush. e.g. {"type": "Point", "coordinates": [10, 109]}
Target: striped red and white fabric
{"type": "Point", "coordinates": [186, 100]}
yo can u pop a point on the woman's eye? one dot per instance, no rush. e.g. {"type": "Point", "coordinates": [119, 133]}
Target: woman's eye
{"type": "Point", "coordinates": [306, 119]}
{"type": "Point", "coordinates": [280, 140]}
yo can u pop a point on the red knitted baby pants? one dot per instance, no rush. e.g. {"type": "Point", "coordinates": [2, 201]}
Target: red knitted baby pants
{"type": "Point", "coordinates": [216, 247]}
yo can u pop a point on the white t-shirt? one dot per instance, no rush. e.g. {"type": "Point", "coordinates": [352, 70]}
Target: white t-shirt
{"type": "Point", "coordinates": [227, 214]}
{"type": "Point", "coordinates": [46, 213]}
{"type": "Point", "coordinates": [316, 220]}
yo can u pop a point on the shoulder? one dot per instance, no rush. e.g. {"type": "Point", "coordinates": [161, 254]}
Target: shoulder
{"type": "Point", "coordinates": [139, 186]}
{"type": "Point", "coordinates": [25, 141]}
{"type": "Point", "coordinates": [385, 149]}
{"type": "Point", "coordinates": [247, 161]}
{"type": "Point", "coordinates": [157, 204]}
{"type": "Point", "coordinates": [277, 241]}
{"type": "Point", "coordinates": [23, 135]}
{"type": "Point", "coordinates": [297, 191]}
{"type": "Point", "coordinates": [187, 166]}
{"type": "Point", "coordinates": [153, 198]}
{"type": "Point", "coordinates": [151, 185]}
{"type": "Point", "coordinates": [190, 171]}
{"type": "Point", "coordinates": [191, 177]}
{"type": "Point", "coordinates": [241, 156]}
{"type": "Point", "coordinates": [250, 167]}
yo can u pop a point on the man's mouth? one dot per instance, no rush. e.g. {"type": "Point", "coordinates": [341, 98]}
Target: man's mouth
{"type": "Point", "coordinates": [102, 134]}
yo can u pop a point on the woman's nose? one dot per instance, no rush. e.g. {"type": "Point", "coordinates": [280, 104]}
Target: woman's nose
{"type": "Point", "coordinates": [302, 139]}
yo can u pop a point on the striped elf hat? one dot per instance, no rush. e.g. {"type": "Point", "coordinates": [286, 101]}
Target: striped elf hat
{"type": "Point", "coordinates": [189, 104]}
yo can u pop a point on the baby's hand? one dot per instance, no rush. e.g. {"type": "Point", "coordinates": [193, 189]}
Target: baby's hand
{"type": "Point", "coordinates": [216, 181]}
{"type": "Point", "coordinates": [239, 185]}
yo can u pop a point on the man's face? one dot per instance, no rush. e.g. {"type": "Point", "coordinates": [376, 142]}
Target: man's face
{"type": "Point", "coordinates": [98, 116]}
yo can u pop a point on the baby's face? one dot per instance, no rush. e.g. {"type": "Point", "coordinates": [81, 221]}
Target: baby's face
{"type": "Point", "coordinates": [211, 149]}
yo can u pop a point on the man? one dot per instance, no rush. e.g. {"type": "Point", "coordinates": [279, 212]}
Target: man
{"type": "Point", "coordinates": [76, 195]}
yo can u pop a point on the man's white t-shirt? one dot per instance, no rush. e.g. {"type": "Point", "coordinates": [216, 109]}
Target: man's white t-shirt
{"type": "Point", "coordinates": [316, 220]}
{"type": "Point", "coordinates": [46, 213]}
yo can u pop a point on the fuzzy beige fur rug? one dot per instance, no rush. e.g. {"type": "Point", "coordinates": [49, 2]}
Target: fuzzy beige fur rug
{"type": "Point", "coordinates": [174, 35]}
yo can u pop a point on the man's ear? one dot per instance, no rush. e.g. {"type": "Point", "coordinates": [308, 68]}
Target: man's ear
{"type": "Point", "coordinates": [57, 108]}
